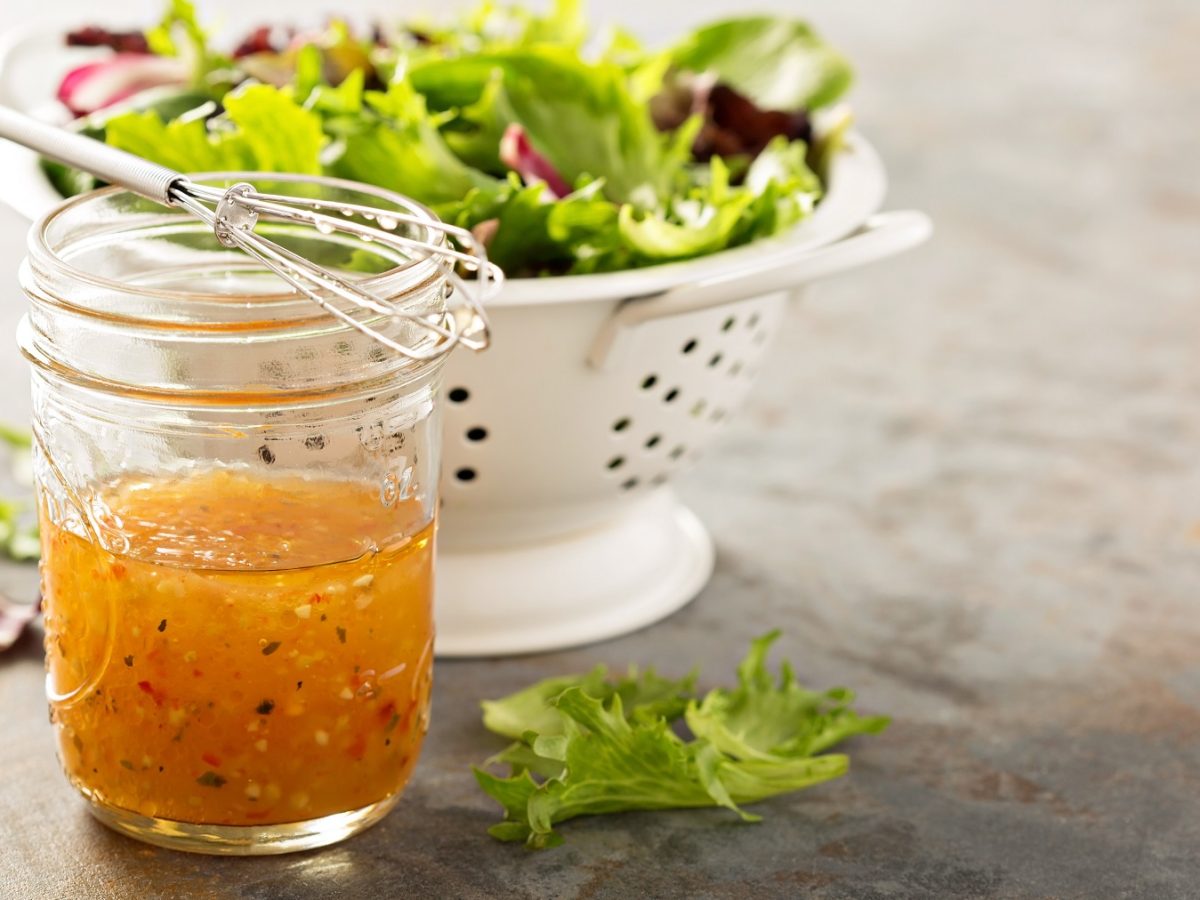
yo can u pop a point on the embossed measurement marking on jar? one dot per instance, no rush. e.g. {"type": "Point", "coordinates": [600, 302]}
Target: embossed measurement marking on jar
{"type": "Point", "coordinates": [398, 486]}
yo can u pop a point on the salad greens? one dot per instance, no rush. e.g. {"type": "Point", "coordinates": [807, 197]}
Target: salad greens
{"type": "Point", "coordinates": [562, 159]}
{"type": "Point", "coordinates": [805, 73]}
{"type": "Point", "coordinates": [587, 745]}
{"type": "Point", "coordinates": [18, 527]}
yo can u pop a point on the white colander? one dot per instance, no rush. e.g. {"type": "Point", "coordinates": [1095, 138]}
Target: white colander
{"type": "Point", "coordinates": [558, 525]}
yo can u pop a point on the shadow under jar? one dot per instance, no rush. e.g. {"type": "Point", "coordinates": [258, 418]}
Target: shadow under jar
{"type": "Point", "coordinates": [237, 498]}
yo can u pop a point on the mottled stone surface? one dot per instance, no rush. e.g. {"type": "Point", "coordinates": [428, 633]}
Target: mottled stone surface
{"type": "Point", "coordinates": [968, 487]}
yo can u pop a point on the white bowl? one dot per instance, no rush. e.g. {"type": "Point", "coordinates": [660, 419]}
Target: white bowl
{"type": "Point", "coordinates": [558, 525]}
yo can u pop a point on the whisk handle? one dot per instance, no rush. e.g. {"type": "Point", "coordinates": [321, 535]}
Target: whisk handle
{"type": "Point", "coordinates": [115, 166]}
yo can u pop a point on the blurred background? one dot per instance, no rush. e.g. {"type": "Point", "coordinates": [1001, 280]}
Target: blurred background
{"type": "Point", "coordinates": [979, 460]}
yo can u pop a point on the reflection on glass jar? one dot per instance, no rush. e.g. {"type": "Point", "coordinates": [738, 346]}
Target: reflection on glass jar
{"type": "Point", "coordinates": [237, 502]}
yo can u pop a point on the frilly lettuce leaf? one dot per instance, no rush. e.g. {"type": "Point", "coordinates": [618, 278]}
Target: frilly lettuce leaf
{"type": "Point", "coordinates": [400, 147]}
{"type": "Point", "coordinates": [587, 747]}
{"type": "Point", "coordinates": [642, 693]}
{"type": "Point", "coordinates": [179, 33]}
{"type": "Point", "coordinates": [770, 720]}
{"type": "Point", "coordinates": [263, 129]}
{"type": "Point", "coordinates": [779, 63]}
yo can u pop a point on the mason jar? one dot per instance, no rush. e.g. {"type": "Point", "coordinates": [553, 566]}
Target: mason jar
{"type": "Point", "coordinates": [237, 499]}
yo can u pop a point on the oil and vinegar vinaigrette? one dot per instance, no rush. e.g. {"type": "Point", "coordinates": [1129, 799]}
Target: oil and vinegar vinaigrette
{"type": "Point", "coordinates": [253, 650]}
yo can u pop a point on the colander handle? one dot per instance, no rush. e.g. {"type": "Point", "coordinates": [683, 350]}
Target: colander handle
{"type": "Point", "coordinates": [881, 236]}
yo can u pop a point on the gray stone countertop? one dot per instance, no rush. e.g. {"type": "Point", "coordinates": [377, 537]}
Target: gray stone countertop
{"type": "Point", "coordinates": [968, 486]}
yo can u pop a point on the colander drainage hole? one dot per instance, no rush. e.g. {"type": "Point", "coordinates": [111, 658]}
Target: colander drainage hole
{"type": "Point", "coordinates": [616, 462]}
{"type": "Point", "coordinates": [478, 433]}
{"type": "Point", "coordinates": [752, 322]}
{"type": "Point", "coordinates": [689, 346]}
{"type": "Point", "coordinates": [653, 441]}
{"type": "Point", "coordinates": [735, 370]}
{"type": "Point", "coordinates": [677, 452]}
{"type": "Point", "coordinates": [715, 360]}
{"type": "Point", "coordinates": [629, 484]}
{"type": "Point", "coordinates": [465, 474]}
{"type": "Point", "coordinates": [698, 408]}
{"type": "Point", "coordinates": [728, 323]}
{"type": "Point", "coordinates": [622, 423]}
{"type": "Point", "coordinates": [459, 395]}
{"type": "Point", "coordinates": [658, 479]}
{"type": "Point", "coordinates": [671, 396]}
{"type": "Point", "coordinates": [649, 381]}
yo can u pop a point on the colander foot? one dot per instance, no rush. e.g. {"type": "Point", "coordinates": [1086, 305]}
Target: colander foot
{"type": "Point", "coordinates": [593, 585]}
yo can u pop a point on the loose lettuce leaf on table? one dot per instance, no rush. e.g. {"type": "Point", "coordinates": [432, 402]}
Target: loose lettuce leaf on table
{"type": "Point", "coordinates": [769, 720]}
{"type": "Point", "coordinates": [779, 63]}
{"type": "Point", "coordinates": [586, 747]}
{"type": "Point", "coordinates": [642, 693]}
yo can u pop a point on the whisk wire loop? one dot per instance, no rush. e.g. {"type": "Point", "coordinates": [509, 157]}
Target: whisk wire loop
{"type": "Point", "coordinates": [234, 213]}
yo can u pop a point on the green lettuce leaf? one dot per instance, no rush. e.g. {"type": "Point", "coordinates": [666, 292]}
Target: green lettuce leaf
{"type": "Point", "coordinates": [590, 124]}
{"type": "Point", "coordinates": [474, 133]}
{"type": "Point", "coordinates": [263, 129]}
{"type": "Point", "coordinates": [772, 720]}
{"type": "Point", "coordinates": [588, 745]}
{"type": "Point", "coordinates": [657, 239]}
{"type": "Point", "coordinates": [608, 763]}
{"type": "Point", "coordinates": [400, 148]}
{"type": "Point", "coordinates": [18, 520]}
{"type": "Point", "coordinates": [492, 26]}
{"type": "Point", "coordinates": [642, 693]}
{"type": "Point", "coordinates": [779, 63]}
{"type": "Point", "coordinates": [179, 33]}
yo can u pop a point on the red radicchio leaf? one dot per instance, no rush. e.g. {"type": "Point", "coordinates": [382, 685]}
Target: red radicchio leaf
{"type": "Point", "coordinates": [735, 125]}
{"type": "Point", "coordinates": [14, 617]}
{"type": "Point", "coordinates": [121, 41]}
{"type": "Point", "coordinates": [518, 154]}
{"type": "Point", "coordinates": [265, 39]}
{"type": "Point", "coordinates": [96, 85]}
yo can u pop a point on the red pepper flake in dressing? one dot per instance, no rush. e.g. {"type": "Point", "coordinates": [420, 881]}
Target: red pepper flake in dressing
{"type": "Point", "coordinates": [156, 695]}
{"type": "Point", "coordinates": [212, 759]}
{"type": "Point", "coordinates": [270, 648]}
{"type": "Point", "coordinates": [118, 571]}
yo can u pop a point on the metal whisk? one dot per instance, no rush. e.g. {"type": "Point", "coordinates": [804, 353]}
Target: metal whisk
{"type": "Point", "coordinates": [233, 214]}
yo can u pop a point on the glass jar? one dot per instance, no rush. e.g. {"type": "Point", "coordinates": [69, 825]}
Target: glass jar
{"type": "Point", "coordinates": [237, 497]}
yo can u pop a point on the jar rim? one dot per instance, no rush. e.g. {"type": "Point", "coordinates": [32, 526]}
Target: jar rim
{"type": "Point", "coordinates": [40, 248]}
{"type": "Point", "coordinates": [111, 275]}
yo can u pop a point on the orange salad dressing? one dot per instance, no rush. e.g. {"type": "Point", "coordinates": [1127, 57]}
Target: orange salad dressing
{"type": "Point", "coordinates": [260, 653]}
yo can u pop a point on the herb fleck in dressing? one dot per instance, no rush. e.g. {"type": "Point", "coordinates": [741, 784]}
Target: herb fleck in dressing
{"type": "Point", "coordinates": [196, 678]}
